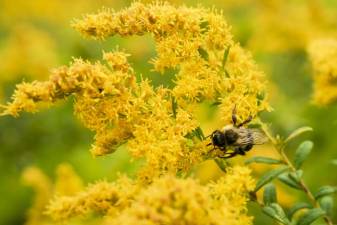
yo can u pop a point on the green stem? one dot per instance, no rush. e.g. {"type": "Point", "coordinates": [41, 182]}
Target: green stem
{"type": "Point", "coordinates": [280, 149]}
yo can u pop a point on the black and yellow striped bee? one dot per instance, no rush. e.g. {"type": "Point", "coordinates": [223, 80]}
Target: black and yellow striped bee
{"type": "Point", "coordinates": [236, 139]}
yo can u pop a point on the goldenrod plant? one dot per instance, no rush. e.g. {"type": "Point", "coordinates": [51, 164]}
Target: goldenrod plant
{"type": "Point", "coordinates": [110, 101]}
{"type": "Point", "coordinates": [159, 126]}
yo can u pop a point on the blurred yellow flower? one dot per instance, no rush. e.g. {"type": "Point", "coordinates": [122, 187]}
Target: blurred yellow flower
{"type": "Point", "coordinates": [323, 56]}
{"type": "Point", "coordinates": [42, 185]}
{"type": "Point", "coordinates": [67, 182]}
{"type": "Point", "coordinates": [168, 200]}
{"type": "Point", "coordinates": [284, 26]}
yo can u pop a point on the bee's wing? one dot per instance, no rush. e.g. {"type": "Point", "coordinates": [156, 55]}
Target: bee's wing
{"type": "Point", "coordinates": [250, 136]}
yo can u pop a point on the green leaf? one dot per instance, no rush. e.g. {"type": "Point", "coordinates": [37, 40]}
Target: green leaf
{"type": "Point", "coordinates": [297, 132]}
{"type": "Point", "coordinates": [302, 153]}
{"type": "Point", "coordinates": [276, 212]}
{"type": "Point", "coordinates": [216, 103]}
{"type": "Point", "coordinates": [222, 164]}
{"type": "Point", "coordinates": [296, 176]}
{"type": "Point", "coordinates": [326, 204]}
{"type": "Point", "coordinates": [227, 74]}
{"type": "Point", "coordinates": [269, 194]}
{"type": "Point", "coordinates": [261, 159]}
{"type": "Point", "coordinates": [269, 176]}
{"type": "Point", "coordinates": [297, 207]}
{"type": "Point", "coordinates": [225, 57]}
{"type": "Point", "coordinates": [203, 53]}
{"type": "Point", "coordinates": [325, 190]}
{"type": "Point", "coordinates": [284, 178]}
{"type": "Point", "coordinates": [261, 95]}
{"type": "Point", "coordinates": [174, 106]}
{"type": "Point", "coordinates": [204, 25]}
{"type": "Point", "coordinates": [198, 133]}
{"type": "Point", "coordinates": [310, 216]}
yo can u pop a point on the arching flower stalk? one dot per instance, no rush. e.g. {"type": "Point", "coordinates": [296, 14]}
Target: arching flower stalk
{"type": "Point", "coordinates": [157, 124]}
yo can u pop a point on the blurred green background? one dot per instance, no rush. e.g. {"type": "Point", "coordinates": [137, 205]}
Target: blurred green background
{"type": "Point", "coordinates": [35, 36]}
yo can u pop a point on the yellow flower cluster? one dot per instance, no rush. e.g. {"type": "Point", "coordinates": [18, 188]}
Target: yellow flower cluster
{"type": "Point", "coordinates": [323, 55]}
{"type": "Point", "coordinates": [275, 20]}
{"type": "Point", "coordinates": [158, 124]}
{"type": "Point", "coordinates": [67, 183]}
{"type": "Point", "coordinates": [195, 41]}
{"type": "Point", "coordinates": [42, 186]}
{"type": "Point", "coordinates": [168, 200]}
{"type": "Point", "coordinates": [26, 51]}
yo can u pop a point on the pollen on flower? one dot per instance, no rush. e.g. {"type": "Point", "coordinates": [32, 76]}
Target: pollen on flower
{"type": "Point", "coordinates": [198, 42]}
{"type": "Point", "coordinates": [167, 200]}
{"type": "Point", "coordinates": [102, 197]}
{"type": "Point", "coordinates": [323, 55]}
{"type": "Point", "coordinates": [155, 123]}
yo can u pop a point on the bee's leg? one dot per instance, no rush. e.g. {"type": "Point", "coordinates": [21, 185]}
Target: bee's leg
{"type": "Point", "coordinates": [230, 155]}
{"type": "Point", "coordinates": [234, 118]}
{"type": "Point", "coordinates": [246, 121]}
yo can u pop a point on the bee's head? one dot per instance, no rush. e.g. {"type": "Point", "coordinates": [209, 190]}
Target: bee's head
{"type": "Point", "coordinates": [218, 138]}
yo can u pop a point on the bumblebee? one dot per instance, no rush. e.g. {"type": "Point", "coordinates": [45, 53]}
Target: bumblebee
{"type": "Point", "coordinates": [235, 139]}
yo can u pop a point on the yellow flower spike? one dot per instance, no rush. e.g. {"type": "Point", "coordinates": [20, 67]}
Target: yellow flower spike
{"type": "Point", "coordinates": [67, 181]}
{"type": "Point", "coordinates": [323, 56]}
{"type": "Point", "coordinates": [41, 184]}
{"type": "Point", "coordinates": [157, 124]}
{"type": "Point", "coordinates": [181, 34]}
{"type": "Point", "coordinates": [101, 197]}
{"type": "Point", "coordinates": [167, 200]}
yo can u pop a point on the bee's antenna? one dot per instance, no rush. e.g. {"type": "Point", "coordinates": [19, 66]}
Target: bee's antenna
{"type": "Point", "coordinates": [234, 118]}
{"type": "Point", "coordinates": [208, 136]}
{"type": "Point", "coordinates": [250, 117]}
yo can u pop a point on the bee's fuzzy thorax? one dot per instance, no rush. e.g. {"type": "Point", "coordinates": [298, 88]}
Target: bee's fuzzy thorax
{"type": "Point", "coordinates": [227, 127]}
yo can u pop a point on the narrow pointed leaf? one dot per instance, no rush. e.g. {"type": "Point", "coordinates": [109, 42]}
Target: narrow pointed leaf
{"type": "Point", "coordinates": [269, 211]}
{"type": "Point", "coordinates": [284, 178]}
{"type": "Point", "coordinates": [225, 56]}
{"type": "Point", "coordinates": [276, 212]}
{"type": "Point", "coordinates": [326, 204]}
{"type": "Point", "coordinates": [216, 103]}
{"type": "Point", "coordinates": [222, 164]}
{"type": "Point", "coordinates": [298, 132]}
{"type": "Point", "coordinates": [174, 106]}
{"type": "Point", "coordinates": [269, 176]}
{"type": "Point", "coordinates": [296, 177]}
{"type": "Point", "coordinates": [302, 153]}
{"type": "Point", "coordinates": [310, 216]}
{"type": "Point", "coordinates": [269, 194]}
{"type": "Point", "coordinates": [325, 190]}
{"type": "Point", "coordinates": [297, 207]}
{"type": "Point", "coordinates": [204, 25]}
{"type": "Point", "coordinates": [280, 212]}
{"type": "Point", "coordinates": [197, 132]}
{"type": "Point", "coordinates": [261, 159]}
{"type": "Point", "coordinates": [203, 53]}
